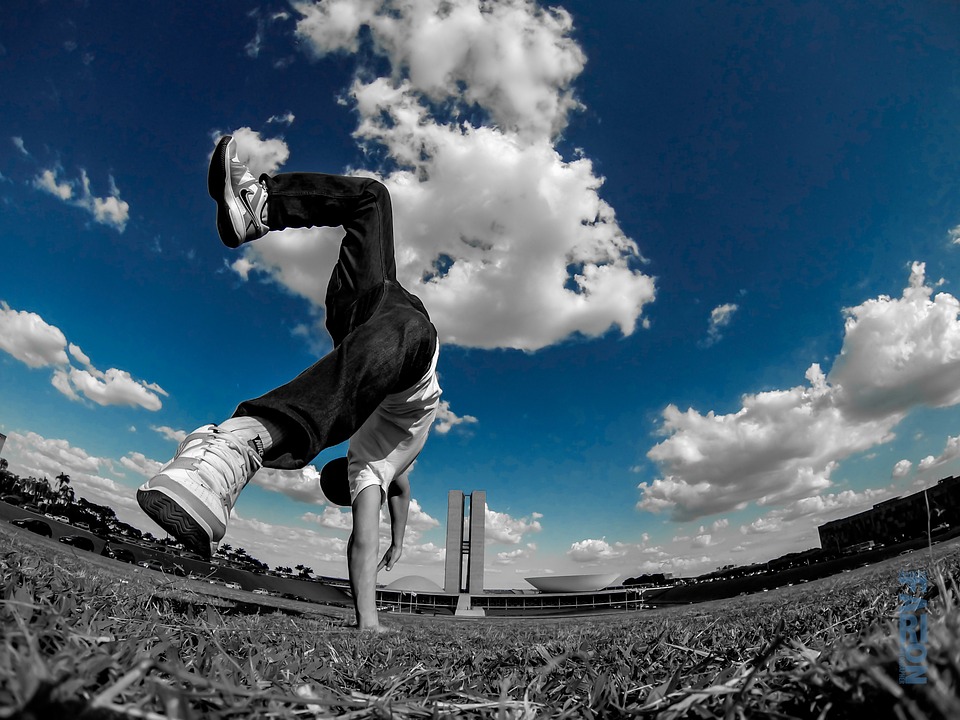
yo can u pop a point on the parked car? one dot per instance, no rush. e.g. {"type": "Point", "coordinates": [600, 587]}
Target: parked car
{"type": "Point", "coordinates": [232, 585]}
{"type": "Point", "coordinates": [12, 499]}
{"type": "Point", "coordinates": [121, 554]}
{"type": "Point", "coordinates": [81, 542]}
{"type": "Point", "coordinates": [151, 565]}
{"type": "Point", "coordinates": [33, 525]}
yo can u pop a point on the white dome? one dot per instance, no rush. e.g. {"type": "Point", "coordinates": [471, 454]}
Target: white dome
{"type": "Point", "coordinates": [572, 583]}
{"type": "Point", "coordinates": [414, 583]}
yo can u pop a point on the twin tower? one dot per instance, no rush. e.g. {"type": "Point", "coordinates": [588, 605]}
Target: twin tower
{"type": "Point", "coordinates": [463, 569]}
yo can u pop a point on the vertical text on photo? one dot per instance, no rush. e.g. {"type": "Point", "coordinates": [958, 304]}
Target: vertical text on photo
{"type": "Point", "coordinates": [913, 627]}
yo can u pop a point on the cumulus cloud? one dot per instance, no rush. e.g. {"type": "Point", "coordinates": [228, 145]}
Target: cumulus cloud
{"type": "Point", "coordinates": [720, 318]}
{"type": "Point", "coordinates": [897, 354]}
{"type": "Point", "coordinates": [900, 352]}
{"type": "Point", "coordinates": [502, 528]}
{"type": "Point", "coordinates": [169, 433]}
{"type": "Point", "coordinates": [951, 451]}
{"type": "Point", "coordinates": [592, 550]}
{"type": "Point", "coordinates": [18, 144]}
{"type": "Point", "coordinates": [31, 340]}
{"type": "Point", "coordinates": [902, 469]}
{"type": "Point", "coordinates": [507, 243]}
{"type": "Point", "coordinates": [447, 419]}
{"type": "Point", "coordinates": [954, 234]}
{"type": "Point", "coordinates": [110, 387]}
{"type": "Point", "coordinates": [108, 210]}
{"type": "Point", "coordinates": [512, 557]}
{"type": "Point", "coordinates": [32, 455]}
{"type": "Point", "coordinates": [702, 540]}
{"type": "Point", "coordinates": [331, 517]}
{"type": "Point", "coordinates": [259, 154]}
{"type": "Point", "coordinates": [512, 58]}
{"type": "Point", "coordinates": [302, 485]}
{"type": "Point", "coordinates": [761, 526]}
{"type": "Point", "coordinates": [141, 464]}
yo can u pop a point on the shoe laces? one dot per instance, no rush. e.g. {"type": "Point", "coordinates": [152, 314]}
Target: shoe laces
{"type": "Point", "coordinates": [223, 461]}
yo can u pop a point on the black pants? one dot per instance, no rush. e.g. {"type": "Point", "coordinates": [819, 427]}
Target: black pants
{"type": "Point", "coordinates": [383, 338]}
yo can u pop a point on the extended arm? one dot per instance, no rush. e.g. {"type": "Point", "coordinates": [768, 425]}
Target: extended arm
{"type": "Point", "coordinates": [398, 502]}
{"type": "Point", "coordinates": [362, 556]}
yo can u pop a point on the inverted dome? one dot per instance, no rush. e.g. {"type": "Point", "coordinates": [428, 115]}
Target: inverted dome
{"type": "Point", "coordinates": [572, 583]}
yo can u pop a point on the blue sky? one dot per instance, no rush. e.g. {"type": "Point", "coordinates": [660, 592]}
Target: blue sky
{"type": "Point", "coordinates": [694, 264]}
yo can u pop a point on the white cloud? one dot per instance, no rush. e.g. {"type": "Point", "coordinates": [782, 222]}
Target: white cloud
{"type": "Point", "coordinates": [703, 540]}
{"type": "Point", "coordinates": [109, 210]}
{"type": "Point", "coordinates": [900, 352]}
{"type": "Point", "coordinates": [419, 521]}
{"type": "Point", "coordinates": [31, 454]}
{"type": "Point", "coordinates": [513, 59]}
{"type": "Point", "coordinates": [30, 339]}
{"type": "Point", "coordinates": [720, 524]}
{"type": "Point", "coordinates": [502, 528]}
{"type": "Point", "coordinates": [258, 154]}
{"type": "Point", "coordinates": [761, 525]}
{"type": "Point", "coordinates": [333, 518]}
{"type": "Point", "coordinates": [902, 469]}
{"type": "Point", "coordinates": [508, 244]}
{"type": "Point", "coordinates": [47, 180]}
{"type": "Point", "coordinates": [169, 433]}
{"type": "Point", "coordinates": [592, 550]}
{"type": "Point", "coordinates": [720, 318]}
{"type": "Point", "coordinates": [512, 557]}
{"type": "Point", "coordinates": [951, 451]}
{"type": "Point", "coordinates": [18, 144]}
{"type": "Point", "coordinates": [286, 118]}
{"type": "Point", "coordinates": [954, 234]}
{"type": "Point", "coordinates": [36, 343]}
{"type": "Point", "coordinates": [112, 387]}
{"type": "Point", "coordinates": [302, 485]}
{"type": "Point", "coordinates": [897, 354]}
{"type": "Point", "coordinates": [447, 419]}
{"type": "Point", "coordinates": [141, 464]}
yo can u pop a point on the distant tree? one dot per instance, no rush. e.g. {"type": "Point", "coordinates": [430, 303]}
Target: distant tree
{"type": "Point", "coordinates": [305, 572]}
{"type": "Point", "coordinates": [65, 494]}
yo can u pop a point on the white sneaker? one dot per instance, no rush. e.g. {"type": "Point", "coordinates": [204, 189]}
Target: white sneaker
{"type": "Point", "coordinates": [193, 495]}
{"type": "Point", "coordinates": [241, 198]}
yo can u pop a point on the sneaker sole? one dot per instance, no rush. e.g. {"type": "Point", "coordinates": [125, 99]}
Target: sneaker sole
{"type": "Point", "coordinates": [172, 517]}
{"type": "Point", "coordinates": [222, 192]}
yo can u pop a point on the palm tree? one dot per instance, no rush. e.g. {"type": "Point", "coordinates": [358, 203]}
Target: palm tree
{"type": "Point", "coordinates": [65, 494]}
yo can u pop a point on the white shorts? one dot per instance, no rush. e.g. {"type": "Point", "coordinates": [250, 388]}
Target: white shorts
{"type": "Point", "coordinates": [390, 439]}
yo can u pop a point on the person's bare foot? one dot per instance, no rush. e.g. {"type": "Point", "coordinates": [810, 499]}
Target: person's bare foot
{"type": "Point", "coordinates": [378, 629]}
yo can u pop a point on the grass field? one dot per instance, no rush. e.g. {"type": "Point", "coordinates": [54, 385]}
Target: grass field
{"type": "Point", "coordinates": [85, 638]}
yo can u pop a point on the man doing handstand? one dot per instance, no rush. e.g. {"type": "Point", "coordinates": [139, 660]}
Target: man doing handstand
{"type": "Point", "coordinates": [377, 388]}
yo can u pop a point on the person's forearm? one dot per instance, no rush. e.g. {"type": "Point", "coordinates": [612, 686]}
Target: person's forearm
{"type": "Point", "coordinates": [399, 507]}
{"type": "Point", "coordinates": [362, 556]}
{"type": "Point", "coordinates": [362, 566]}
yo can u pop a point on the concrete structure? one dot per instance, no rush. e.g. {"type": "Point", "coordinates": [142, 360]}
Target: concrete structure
{"type": "Point", "coordinates": [465, 549]}
{"type": "Point", "coordinates": [898, 519]}
{"type": "Point", "coordinates": [572, 583]}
